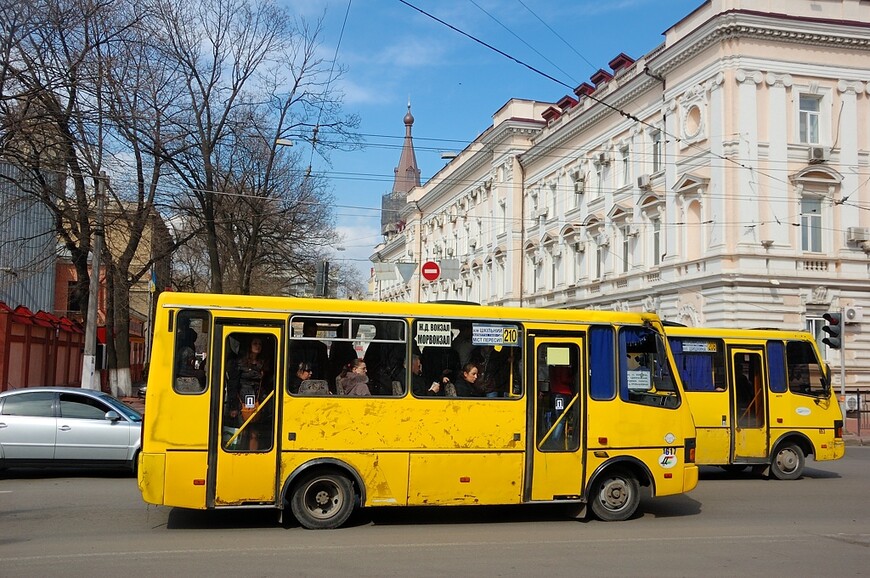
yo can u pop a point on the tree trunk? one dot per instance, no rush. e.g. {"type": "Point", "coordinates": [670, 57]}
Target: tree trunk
{"type": "Point", "coordinates": [119, 371]}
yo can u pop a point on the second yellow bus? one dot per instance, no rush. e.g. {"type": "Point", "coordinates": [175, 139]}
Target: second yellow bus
{"type": "Point", "coordinates": [760, 398]}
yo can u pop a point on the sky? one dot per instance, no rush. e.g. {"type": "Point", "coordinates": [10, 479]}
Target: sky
{"type": "Point", "coordinates": [392, 54]}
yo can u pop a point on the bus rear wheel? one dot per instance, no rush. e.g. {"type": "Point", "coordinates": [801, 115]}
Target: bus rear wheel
{"type": "Point", "coordinates": [615, 496]}
{"type": "Point", "coordinates": [788, 462]}
{"type": "Point", "coordinates": [323, 500]}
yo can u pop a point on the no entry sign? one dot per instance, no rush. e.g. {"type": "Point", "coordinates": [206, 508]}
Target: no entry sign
{"type": "Point", "coordinates": [431, 270]}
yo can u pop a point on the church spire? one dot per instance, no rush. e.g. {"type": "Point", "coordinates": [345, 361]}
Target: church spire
{"type": "Point", "coordinates": [407, 174]}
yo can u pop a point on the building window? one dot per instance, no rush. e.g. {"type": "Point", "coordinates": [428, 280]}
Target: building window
{"type": "Point", "coordinates": [656, 240]}
{"type": "Point", "coordinates": [814, 327]}
{"type": "Point", "coordinates": [811, 224]}
{"type": "Point", "coordinates": [810, 110]}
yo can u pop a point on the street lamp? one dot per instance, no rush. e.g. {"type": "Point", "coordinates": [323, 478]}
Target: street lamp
{"type": "Point", "coordinates": [284, 142]}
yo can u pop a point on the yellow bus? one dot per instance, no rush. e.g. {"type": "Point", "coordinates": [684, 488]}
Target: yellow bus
{"type": "Point", "coordinates": [320, 405]}
{"type": "Point", "coordinates": [760, 398]}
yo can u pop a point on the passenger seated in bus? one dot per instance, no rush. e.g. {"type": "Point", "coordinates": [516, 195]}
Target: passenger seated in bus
{"type": "Point", "coordinates": [340, 354]}
{"type": "Point", "coordinates": [353, 380]}
{"type": "Point", "coordinates": [419, 386]}
{"type": "Point", "coordinates": [436, 360]}
{"type": "Point", "coordinates": [310, 350]}
{"type": "Point", "coordinates": [303, 373]}
{"type": "Point", "coordinates": [467, 384]}
{"type": "Point", "coordinates": [190, 377]}
{"type": "Point", "coordinates": [386, 361]}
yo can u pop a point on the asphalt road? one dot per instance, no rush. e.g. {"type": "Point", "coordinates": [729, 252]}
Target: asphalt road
{"type": "Point", "coordinates": [83, 524]}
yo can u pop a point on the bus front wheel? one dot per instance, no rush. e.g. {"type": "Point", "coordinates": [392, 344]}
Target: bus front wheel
{"type": "Point", "coordinates": [788, 462]}
{"type": "Point", "coordinates": [615, 496]}
{"type": "Point", "coordinates": [323, 500]}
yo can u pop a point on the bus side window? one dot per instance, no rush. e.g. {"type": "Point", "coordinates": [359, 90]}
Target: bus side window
{"type": "Point", "coordinates": [645, 374]}
{"type": "Point", "coordinates": [191, 350]}
{"type": "Point", "coordinates": [805, 375]}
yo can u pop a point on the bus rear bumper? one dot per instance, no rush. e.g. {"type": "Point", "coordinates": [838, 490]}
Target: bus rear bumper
{"type": "Point", "coordinates": [152, 470]}
{"type": "Point", "coordinates": [690, 477]}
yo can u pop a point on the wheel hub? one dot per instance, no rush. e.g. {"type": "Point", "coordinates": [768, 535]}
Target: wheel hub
{"type": "Point", "coordinates": [787, 460]}
{"type": "Point", "coordinates": [321, 498]}
{"type": "Point", "coordinates": [613, 494]}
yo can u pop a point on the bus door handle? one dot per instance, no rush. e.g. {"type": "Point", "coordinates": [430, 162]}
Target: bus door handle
{"type": "Point", "coordinates": [517, 437]}
{"type": "Point", "coordinates": [291, 436]}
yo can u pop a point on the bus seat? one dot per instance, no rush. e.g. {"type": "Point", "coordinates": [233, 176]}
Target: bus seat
{"type": "Point", "coordinates": [314, 387]}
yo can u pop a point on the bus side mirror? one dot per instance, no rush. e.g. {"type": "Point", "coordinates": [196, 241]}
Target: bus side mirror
{"type": "Point", "coordinates": [826, 377]}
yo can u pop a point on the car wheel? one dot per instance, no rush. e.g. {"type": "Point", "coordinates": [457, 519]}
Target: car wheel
{"type": "Point", "coordinates": [788, 462]}
{"type": "Point", "coordinates": [615, 496]}
{"type": "Point", "coordinates": [323, 500]}
{"type": "Point", "coordinates": [133, 466]}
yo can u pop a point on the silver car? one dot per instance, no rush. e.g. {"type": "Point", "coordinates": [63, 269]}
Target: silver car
{"type": "Point", "coordinates": [67, 426]}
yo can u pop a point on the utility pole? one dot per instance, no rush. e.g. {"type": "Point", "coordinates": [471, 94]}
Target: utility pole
{"type": "Point", "coordinates": [90, 377]}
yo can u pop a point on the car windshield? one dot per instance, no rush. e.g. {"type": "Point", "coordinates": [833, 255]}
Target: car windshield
{"type": "Point", "coordinates": [121, 407]}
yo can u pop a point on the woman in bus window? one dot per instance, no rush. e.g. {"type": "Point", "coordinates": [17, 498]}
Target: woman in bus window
{"type": "Point", "coordinates": [466, 385]}
{"type": "Point", "coordinates": [353, 379]}
{"type": "Point", "coordinates": [248, 386]}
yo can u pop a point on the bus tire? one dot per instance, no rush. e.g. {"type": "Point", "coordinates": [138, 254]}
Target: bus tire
{"type": "Point", "coordinates": [615, 495]}
{"type": "Point", "coordinates": [323, 500]}
{"type": "Point", "coordinates": [788, 462]}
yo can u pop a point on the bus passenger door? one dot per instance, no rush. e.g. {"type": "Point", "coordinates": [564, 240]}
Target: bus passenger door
{"type": "Point", "coordinates": [245, 447]}
{"type": "Point", "coordinates": [557, 464]}
{"type": "Point", "coordinates": [749, 404]}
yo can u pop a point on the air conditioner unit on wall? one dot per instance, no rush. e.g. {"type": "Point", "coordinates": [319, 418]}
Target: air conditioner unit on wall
{"type": "Point", "coordinates": [857, 234]}
{"type": "Point", "coordinates": [853, 314]}
{"type": "Point", "coordinates": [818, 154]}
{"type": "Point", "coordinates": [603, 159]}
{"type": "Point", "coordinates": [644, 182]}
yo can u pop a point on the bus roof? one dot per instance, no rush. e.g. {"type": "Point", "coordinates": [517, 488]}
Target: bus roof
{"type": "Point", "coordinates": [309, 305]}
{"type": "Point", "coordinates": [725, 333]}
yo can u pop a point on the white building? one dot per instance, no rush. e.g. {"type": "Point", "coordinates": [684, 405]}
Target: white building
{"type": "Point", "coordinates": [722, 179]}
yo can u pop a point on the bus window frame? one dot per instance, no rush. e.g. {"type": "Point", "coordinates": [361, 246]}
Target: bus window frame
{"type": "Point", "coordinates": [514, 387]}
{"type": "Point", "coordinates": [351, 323]}
{"type": "Point", "coordinates": [200, 371]}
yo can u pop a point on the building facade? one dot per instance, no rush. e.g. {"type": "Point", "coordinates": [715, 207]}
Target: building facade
{"type": "Point", "coordinates": [721, 179]}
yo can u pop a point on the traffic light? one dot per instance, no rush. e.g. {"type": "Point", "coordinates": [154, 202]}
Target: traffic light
{"type": "Point", "coordinates": [321, 279]}
{"type": "Point", "coordinates": [834, 329]}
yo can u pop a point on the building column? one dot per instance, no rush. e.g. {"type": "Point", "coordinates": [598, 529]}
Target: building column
{"type": "Point", "coordinates": [777, 211]}
{"type": "Point", "coordinates": [716, 195]}
{"type": "Point", "coordinates": [848, 140]}
{"type": "Point", "coordinates": [746, 194]}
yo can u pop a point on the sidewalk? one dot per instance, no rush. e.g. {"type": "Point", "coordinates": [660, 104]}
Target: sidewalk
{"type": "Point", "coordinates": [136, 403]}
{"type": "Point", "coordinates": [852, 439]}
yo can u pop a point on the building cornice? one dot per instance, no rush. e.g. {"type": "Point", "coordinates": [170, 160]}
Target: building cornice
{"type": "Point", "coordinates": [761, 26]}
{"type": "Point", "coordinates": [576, 123]}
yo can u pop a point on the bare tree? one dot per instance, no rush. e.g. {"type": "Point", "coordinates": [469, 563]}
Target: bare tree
{"type": "Point", "coordinates": [251, 75]}
{"type": "Point", "coordinates": [182, 104]}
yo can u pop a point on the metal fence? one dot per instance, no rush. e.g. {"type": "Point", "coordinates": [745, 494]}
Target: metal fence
{"type": "Point", "coordinates": [857, 406]}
